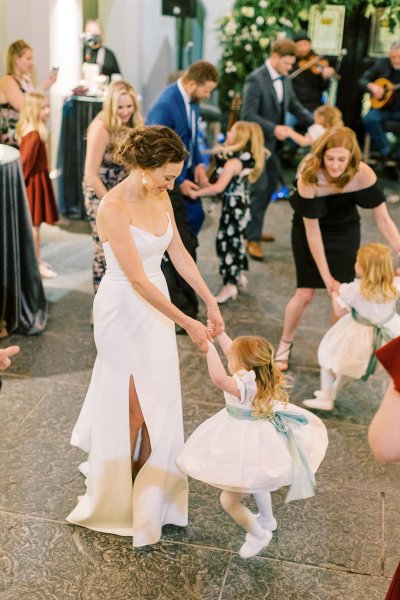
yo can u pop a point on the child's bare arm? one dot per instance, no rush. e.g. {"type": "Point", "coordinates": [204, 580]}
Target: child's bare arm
{"type": "Point", "coordinates": [224, 341]}
{"type": "Point", "coordinates": [301, 140]}
{"type": "Point", "coordinates": [337, 306]}
{"type": "Point", "coordinates": [218, 374]}
{"type": "Point", "coordinates": [231, 168]}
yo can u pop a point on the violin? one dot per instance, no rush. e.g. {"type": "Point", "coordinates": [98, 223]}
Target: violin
{"type": "Point", "coordinates": [316, 64]}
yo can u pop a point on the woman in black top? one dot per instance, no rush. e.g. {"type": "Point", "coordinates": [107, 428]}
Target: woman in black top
{"type": "Point", "coordinates": [326, 225]}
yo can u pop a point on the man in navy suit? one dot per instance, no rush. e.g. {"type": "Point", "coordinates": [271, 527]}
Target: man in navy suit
{"type": "Point", "coordinates": [177, 107]}
{"type": "Point", "coordinates": [268, 95]}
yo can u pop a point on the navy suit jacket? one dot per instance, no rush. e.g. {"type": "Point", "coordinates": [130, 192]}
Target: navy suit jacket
{"type": "Point", "coordinates": [169, 109]}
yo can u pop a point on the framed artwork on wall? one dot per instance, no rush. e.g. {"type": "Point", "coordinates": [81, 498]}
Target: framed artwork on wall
{"type": "Point", "coordinates": [326, 29]}
{"type": "Point", "coordinates": [380, 37]}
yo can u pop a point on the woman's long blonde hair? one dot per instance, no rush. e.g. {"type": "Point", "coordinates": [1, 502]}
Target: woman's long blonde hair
{"type": "Point", "coordinates": [376, 282]}
{"type": "Point", "coordinates": [255, 353]}
{"type": "Point", "coordinates": [29, 116]}
{"type": "Point", "coordinates": [336, 137]}
{"type": "Point", "coordinates": [248, 136]}
{"type": "Point", "coordinates": [14, 51]}
{"type": "Point", "coordinates": [109, 114]}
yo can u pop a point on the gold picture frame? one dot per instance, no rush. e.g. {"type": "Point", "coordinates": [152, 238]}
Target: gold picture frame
{"type": "Point", "coordinates": [326, 29]}
{"type": "Point", "coordinates": [380, 36]}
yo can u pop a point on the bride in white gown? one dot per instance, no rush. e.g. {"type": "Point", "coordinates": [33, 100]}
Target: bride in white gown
{"type": "Point", "coordinates": [133, 406]}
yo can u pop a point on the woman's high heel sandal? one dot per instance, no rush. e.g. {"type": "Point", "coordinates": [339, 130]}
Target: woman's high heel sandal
{"type": "Point", "coordinates": [228, 292]}
{"type": "Point", "coordinates": [243, 281]}
{"type": "Point", "coordinates": [282, 357]}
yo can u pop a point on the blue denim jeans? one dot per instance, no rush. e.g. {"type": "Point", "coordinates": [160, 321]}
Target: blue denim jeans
{"type": "Point", "coordinates": [374, 122]}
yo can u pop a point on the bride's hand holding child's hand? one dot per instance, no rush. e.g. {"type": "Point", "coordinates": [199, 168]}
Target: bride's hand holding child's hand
{"type": "Point", "coordinates": [215, 322]}
{"type": "Point", "coordinates": [199, 334]}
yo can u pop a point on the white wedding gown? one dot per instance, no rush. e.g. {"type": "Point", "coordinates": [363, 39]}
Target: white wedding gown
{"type": "Point", "coordinates": [132, 338]}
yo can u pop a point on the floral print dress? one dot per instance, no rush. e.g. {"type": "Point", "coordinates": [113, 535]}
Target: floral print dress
{"type": "Point", "coordinates": [110, 174]}
{"type": "Point", "coordinates": [235, 215]}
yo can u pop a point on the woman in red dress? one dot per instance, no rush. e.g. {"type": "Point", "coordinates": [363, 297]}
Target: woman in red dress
{"type": "Point", "coordinates": [31, 135]}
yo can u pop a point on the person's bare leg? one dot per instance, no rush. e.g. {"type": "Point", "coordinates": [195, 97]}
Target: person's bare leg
{"type": "Point", "coordinates": [136, 424]}
{"type": "Point", "coordinates": [294, 313]}
{"type": "Point", "coordinates": [145, 448]}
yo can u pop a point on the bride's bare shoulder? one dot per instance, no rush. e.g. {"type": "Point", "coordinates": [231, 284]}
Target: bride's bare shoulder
{"type": "Point", "coordinates": [112, 203]}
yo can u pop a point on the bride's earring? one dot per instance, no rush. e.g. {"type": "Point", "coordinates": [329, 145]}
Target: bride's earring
{"type": "Point", "coordinates": [144, 179]}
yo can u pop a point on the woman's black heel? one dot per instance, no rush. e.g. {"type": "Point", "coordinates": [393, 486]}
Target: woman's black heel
{"type": "Point", "coordinates": [283, 363]}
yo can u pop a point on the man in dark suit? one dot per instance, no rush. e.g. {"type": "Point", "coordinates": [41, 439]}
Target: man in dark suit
{"type": "Point", "coordinates": [177, 107]}
{"type": "Point", "coordinates": [268, 95]}
{"type": "Point", "coordinates": [374, 120]}
{"type": "Point", "coordinates": [95, 52]}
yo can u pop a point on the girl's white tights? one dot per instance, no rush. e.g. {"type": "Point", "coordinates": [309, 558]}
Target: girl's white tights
{"type": "Point", "coordinates": [232, 503]}
{"type": "Point", "coordinates": [332, 382]}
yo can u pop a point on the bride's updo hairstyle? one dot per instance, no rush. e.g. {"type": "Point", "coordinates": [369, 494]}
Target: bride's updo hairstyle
{"type": "Point", "coordinates": [150, 147]}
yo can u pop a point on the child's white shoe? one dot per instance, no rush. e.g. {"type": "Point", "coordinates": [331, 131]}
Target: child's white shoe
{"type": "Point", "coordinates": [269, 525]}
{"type": "Point", "coordinates": [324, 400]}
{"type": "Point", "coordinates": [254, 544]}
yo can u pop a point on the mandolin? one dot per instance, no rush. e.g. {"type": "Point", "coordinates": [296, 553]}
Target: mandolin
{"type": "Point", "coordinates": [389, 89]}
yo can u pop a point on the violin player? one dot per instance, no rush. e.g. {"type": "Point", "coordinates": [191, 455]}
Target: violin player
{"type": "Point", "coordinates": [313, 80]}
{"type": "Point", "coordinates": [382, 81]}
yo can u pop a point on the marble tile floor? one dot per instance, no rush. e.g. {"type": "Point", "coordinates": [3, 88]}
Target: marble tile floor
{"type": "Point", "coordinates": [342, 544]}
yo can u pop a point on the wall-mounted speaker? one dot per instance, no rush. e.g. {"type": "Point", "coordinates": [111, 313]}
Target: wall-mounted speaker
{"type": "Point", "coordinates": [179, 8]}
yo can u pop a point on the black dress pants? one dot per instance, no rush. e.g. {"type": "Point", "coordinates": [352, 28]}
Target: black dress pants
{"type": "Point", "coordinates": [182, 295]}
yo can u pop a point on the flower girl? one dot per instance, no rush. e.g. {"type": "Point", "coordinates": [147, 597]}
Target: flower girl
{"type": "Point", "coordinates": [239, 162]}
{"type": "Point", "coordinates": [258, 442]}
{"type": "Point", "coordinates": [370, 320]}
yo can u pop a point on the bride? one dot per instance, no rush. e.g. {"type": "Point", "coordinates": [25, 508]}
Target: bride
{"type": "Point", "coordinates": [131, 420]}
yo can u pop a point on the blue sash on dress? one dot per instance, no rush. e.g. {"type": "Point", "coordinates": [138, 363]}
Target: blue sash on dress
{"type": "Point", "coordinates": [303, 480]}
{"type": "Point", "coordinates": [380, 334]}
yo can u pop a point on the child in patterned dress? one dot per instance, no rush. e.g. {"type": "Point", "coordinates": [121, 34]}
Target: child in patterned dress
{"type": "Point", "coordinates": [239, 162]}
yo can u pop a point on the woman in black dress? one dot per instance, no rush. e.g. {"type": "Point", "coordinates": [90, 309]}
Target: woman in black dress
{"type": "Point", "coordinates": [326, 225]}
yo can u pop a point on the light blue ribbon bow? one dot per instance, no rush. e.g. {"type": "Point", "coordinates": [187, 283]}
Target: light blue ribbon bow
{"type": "Point", "coordinates": [303, 479]}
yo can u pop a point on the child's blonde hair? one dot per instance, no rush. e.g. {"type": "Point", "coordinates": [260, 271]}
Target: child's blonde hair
{"type": "Point", "coordinates": [329, 115]}
{"type": "Point", "coordinates": [376, 283]}
{"type": "Point", "coordinates": [252, 352]}
{"type": "Point", "coordinates": [248, 136]}
{"type": "Point", "coordinates": [29, 116]}
{"type": "Point", "coordinates": [109, 114]}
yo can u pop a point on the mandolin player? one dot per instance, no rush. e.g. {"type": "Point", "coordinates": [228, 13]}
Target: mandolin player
{"type": "Point", "coordinates": [382, 81]}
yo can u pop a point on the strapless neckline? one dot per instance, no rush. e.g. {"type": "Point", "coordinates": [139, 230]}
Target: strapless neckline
{"type": "Point", "coordinates": [148, 232]}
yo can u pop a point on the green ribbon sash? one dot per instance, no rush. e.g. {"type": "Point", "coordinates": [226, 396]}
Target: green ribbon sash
{"type": "Point", "coordinates": [303, 480]}
{"type": "Point", "coordinates": [380, 334]}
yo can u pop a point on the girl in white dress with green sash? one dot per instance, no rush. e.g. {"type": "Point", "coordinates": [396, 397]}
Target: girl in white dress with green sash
{"type": "Point", "coordinates": [258, 442]}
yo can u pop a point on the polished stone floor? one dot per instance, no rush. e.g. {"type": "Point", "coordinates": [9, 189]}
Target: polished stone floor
{"type": "Point", "coordinates": [342, 544]}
